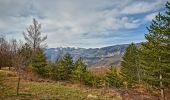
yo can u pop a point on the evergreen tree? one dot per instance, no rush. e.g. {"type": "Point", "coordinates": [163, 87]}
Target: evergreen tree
{"type": "Point", "coordinates": [92, 80]}
{"type": "Point", "coordinates": [54, 72]}
{"type": "Point", "coordinates": [155, 52]}
{"type": "Point", "coordinates": [129, 65]}
{"type": "Point", "coordinates": [79, 70]}
{"type": "Point", "coordinates": [60, 70]}
{"type": "Point", "coordinates": [113, 79]}
{"type": "Point", "coordinates": [50, 70]}
{"type": "Point", "coordinates": [68, 62]}
{"type": "Point", "coordinates": [39, 63]}
{"type": "Point", "coordinates": [26, 53]}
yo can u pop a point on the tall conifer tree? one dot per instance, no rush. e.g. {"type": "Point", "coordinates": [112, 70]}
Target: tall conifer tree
{"type": "Point", "coordinates": [61, 69]}
{"type": "Point", "coordinates": [79, 70]}
{"type": "Point", "coordinates": [155, 52]}
{"type": "Point", "coordinates": [68, 62]}
{"type": "Point", "coordinates": [130, 67]}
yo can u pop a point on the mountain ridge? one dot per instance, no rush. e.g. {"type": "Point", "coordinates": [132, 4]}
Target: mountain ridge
{"type": "Point", "coordinates": [93, 57]}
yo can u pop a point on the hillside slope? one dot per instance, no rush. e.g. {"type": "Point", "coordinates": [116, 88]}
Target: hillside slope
{"type": "Point", "coordinates": [32, 90]}
{"type": "Point", "coordinates": [49, 91]}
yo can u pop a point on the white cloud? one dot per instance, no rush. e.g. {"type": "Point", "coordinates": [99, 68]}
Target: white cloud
{"type": "Point", "coordinates": [151, 16]}
{"type": "Point", "coordinates": [142, 6]}
{"type": "Point", "coordinates": [65, 21]}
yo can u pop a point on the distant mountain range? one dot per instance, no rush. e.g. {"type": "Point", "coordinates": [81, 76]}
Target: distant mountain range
{"type": "Point", "coordinates": [93, 57]}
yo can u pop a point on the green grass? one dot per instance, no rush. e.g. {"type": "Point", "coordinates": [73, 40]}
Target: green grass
{"type": "Point", "coordinates": [47, 91]}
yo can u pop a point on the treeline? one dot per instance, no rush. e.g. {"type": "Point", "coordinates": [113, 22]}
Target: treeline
{"type": "Point", "coordinates": [7, 50]}
{"type": "Point", "coordinates": [65, 69]}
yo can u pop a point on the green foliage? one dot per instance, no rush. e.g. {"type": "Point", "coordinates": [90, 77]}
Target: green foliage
{"type": "Point", "coordinates": [78, 70]}
{"type": "Point", "coordinates": [26, 53]}
{"type": "Point", "coordinates": [53, 72]}
{"type": "Point", "coordinates": [113, 79]}
{"type": "Point", "coordinates": [68, 63]}
{"type": "Point", "coordinates": [39, 63]}
{"type": "Point", "coordinates": [60, 70]}
{"type": "Point", "coordinates": [155, 53]}
{"type": "Point", "coordinates": [49, 70]}
{"type": "Point", "coordinates": [92, 80]}
{"type": "Point", "coordinates": [129, 65]}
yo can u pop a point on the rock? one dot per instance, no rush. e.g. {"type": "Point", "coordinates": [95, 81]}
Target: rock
{"type": "Point", "coordinates": [92, 96]}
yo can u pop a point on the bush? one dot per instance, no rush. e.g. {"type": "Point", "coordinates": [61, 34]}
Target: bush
{"type": "Point", "coordinates": [79, 70]}
{"type": "Point", "coordinates": [92, 80]}
{"type": "Point", "coordinates": [39, 63]}
{"type": "Point", "coordinates": [49, 69]}
{"type": "Point", "coordinates": [113, 79]}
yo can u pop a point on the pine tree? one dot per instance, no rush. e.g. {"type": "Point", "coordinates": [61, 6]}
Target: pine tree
{"type": "Point", "coordinates": [155, 52]}
{"type": "Point", "coordinates": [60, 70]}
{"type": "Point", "coordinates": [26, 53]}
{"type": "Point", "coordinates": [68, 62]}
{"type": "Point", "coordinates": [39, 63]}
{"type": "Point", "coordinates": [92, 80]}
{"type": "Point", "coordinates": [53, 72]}
{"type": "Point", "coordinates": [78, 70]}
{"type": "Point", "coordinates": [129, 65]}
{"type": "Point", "coordinates": [113, 79]}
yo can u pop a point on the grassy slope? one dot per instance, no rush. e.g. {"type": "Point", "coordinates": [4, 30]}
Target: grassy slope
{"type": "Point", "coordinates": [43, 90]}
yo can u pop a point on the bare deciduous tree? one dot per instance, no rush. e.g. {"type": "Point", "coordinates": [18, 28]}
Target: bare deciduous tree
{"type": "Point", "coordinates": [18, 65]}
{"type": "Point", "coordinates": [10, 56]}
{"type": "Point", "coordinates": [33, 36]}
{"type": "Point", "coordinates": [18, 60]}
{"type": "Point", "coordinates": [5, 52]}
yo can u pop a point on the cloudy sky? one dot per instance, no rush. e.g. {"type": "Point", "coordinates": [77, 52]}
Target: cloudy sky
{"type": "Point", "coordinates": [80, 23]}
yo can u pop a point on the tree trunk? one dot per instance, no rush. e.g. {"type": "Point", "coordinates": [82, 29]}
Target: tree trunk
{"type": "Point", "coordinates": [138, 75]}
{"type": "Point", "coordinates": [161, 88]}
{"type": "Point", "coordinates": [18, 83]}
{"type": "Point", "coordinates": [161, 84]}
{"type": "Point", "coordinates": [138, 69]}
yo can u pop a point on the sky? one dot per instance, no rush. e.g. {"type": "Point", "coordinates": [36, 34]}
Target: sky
{"type": "Point", "coordinates": [80, 23]}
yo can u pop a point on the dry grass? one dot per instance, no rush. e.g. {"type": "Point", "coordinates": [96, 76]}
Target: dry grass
{"type": "Point", "coordinates": [52, 91]}
{"type": "Point", "coordinates": [64, 91]}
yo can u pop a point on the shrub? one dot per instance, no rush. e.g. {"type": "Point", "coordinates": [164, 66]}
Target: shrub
{"type": "Point", "coordinates": [113, 79]}
{"type": "Point", "coordinates": [39, 63]}
{"type": "Point", "coordinates": [92, 80]}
